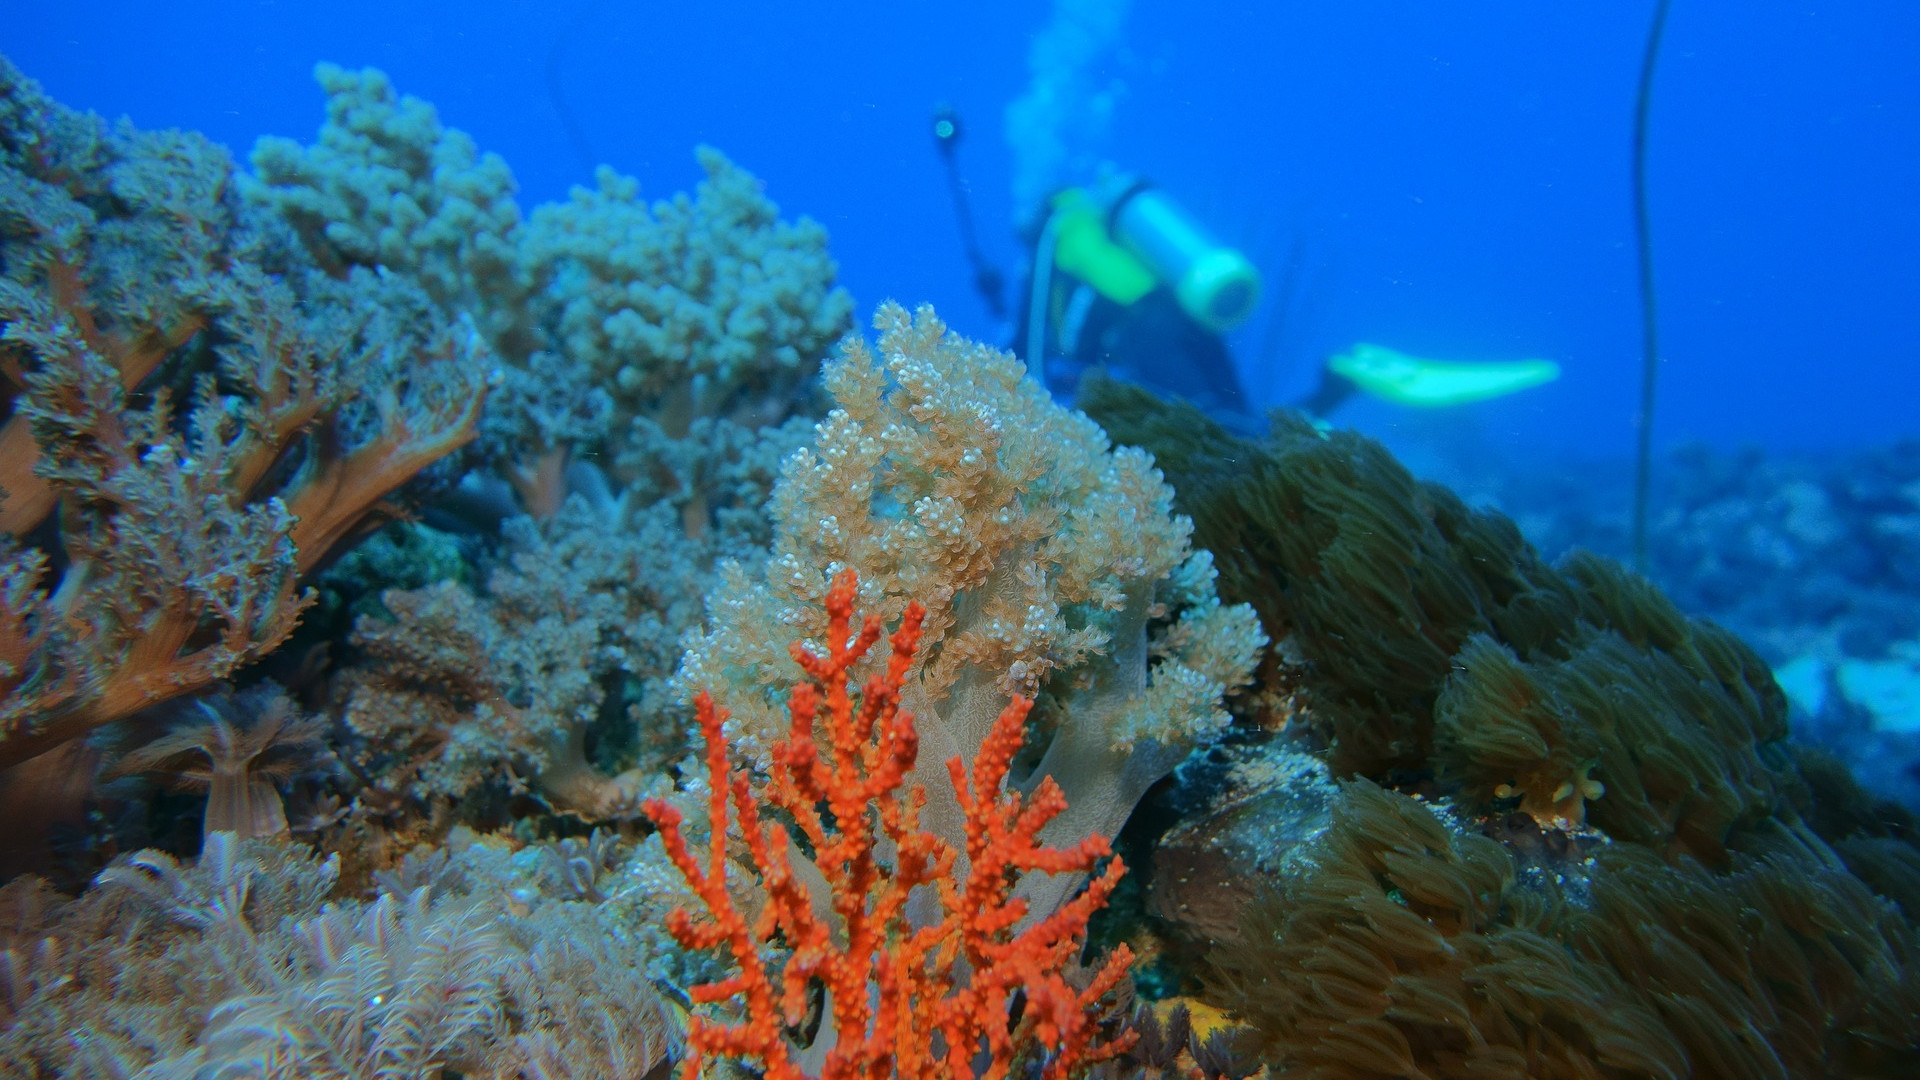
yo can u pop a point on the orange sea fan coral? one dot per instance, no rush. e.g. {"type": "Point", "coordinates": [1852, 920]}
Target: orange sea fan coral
{"type": "Point", "coordinates": [905, 996]}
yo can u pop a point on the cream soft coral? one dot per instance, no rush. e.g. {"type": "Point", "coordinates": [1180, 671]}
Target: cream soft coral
{"type": "Point", "coordinates": [1050, 564]}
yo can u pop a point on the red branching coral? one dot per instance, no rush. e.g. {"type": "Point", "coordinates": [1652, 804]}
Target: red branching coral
{"type": "Point", "coordinates": [968, 989]}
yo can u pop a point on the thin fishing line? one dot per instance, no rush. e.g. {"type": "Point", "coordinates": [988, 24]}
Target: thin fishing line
{"type": "Point", "coordinates": [1649, 319]}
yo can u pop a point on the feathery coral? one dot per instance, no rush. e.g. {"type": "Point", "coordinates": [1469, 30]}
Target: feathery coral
{"type": "Point", "coordinates": [904, 997]}
{"type": "Point", "coordinates": [246, 962]}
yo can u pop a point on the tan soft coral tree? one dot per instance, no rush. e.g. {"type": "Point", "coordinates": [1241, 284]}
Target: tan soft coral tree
{"type": "Point", "coordinates": [1048, 561]}
{"type": "Point", "coordinates": [195, 418]}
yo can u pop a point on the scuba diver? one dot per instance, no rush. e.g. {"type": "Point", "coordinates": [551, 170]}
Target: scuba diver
{"type": "Point", "coordinates": [1125, 281]}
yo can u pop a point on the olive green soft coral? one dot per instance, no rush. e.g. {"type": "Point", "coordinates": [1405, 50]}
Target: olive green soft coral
{"type": "Point", "coordinates": [1404, 944]}
{"type": "Point", "coordinates": [1434, 640]}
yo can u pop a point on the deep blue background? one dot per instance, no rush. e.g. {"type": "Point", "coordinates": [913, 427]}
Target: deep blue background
{"type": "Point", "coordinates": [1446, 178]}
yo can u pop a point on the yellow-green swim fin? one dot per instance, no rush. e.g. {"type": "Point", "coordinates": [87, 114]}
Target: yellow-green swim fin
{"type": "Point", "coordinates": [1409, 380]}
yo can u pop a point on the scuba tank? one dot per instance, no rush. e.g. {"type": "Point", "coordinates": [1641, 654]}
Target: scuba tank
{"type": "Point", "coordinates": [1124, 237]}
{"type": "Point", "coordinates": [1216, 285]}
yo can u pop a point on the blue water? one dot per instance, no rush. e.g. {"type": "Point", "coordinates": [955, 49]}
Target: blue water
{"type": "Point", "coordinates": [1451, 180]}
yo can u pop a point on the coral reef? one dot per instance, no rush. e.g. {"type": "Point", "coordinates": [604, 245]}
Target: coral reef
{"type": "Point", "coordinates": [1807, 556]}
{"type": "Point", "coordinates": [1411, 948]}
{"type": "Point", "coordinates": [1521, 682]}
{"type": "Point", "coordinates": [1595, 853]}
{"type": "Point", "coordinates": [1399, 797]}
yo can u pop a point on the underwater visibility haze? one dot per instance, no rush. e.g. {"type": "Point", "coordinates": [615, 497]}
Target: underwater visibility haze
{"type": "Point", "coordinates": [1078, 538]}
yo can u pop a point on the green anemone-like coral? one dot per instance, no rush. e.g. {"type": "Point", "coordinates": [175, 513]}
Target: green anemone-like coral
{"type": "Point", "coordinates": [1571, 840]}
{"type": "Point", "coordinates": [1410, 947]}
{"type": "Point", "coordinates": [1434, 640]}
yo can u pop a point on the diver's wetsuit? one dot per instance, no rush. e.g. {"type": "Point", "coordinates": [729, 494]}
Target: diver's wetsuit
{"type": "Point", "coordinates": [1151, 342]}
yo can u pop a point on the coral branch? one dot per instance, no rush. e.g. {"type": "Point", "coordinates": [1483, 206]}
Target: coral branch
{"type": "Point", "coordinates": [938, 997]}
{"type": "Point", "coordinates": [28, 498]}
{"type": "Point", "coordinates": [334, 498]}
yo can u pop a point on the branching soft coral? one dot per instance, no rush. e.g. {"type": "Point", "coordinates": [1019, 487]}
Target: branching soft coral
{"type": "Point", "coordinates": [700, 319]}
{"type": "Point", "coordinates": [707, 305]}
{"type": "Point", "coordinates": [904, 997]}
{"type": "Point", "coordinates": [386, 185]}
{"type": "Point", "coordinates": [1049, 563]}
{"type": "Point", "coordinates": [132, 280]}
{"type": "Point", "coordinates": [629, 327]}
{"type": "Point", "coordinates": [576, 634]}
